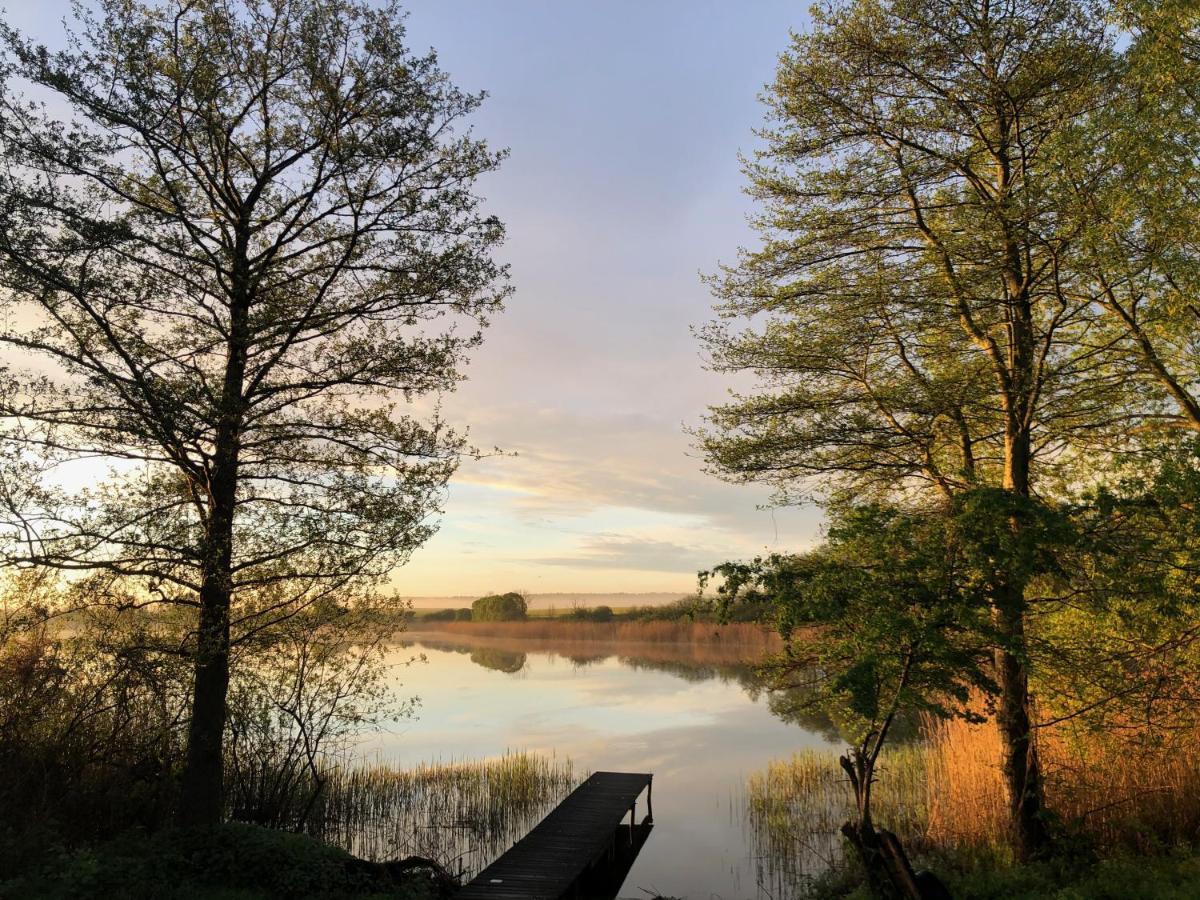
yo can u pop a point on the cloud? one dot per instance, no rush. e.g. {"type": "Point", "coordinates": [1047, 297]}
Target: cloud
{"type": "Point", "coordinates": [568, 463]}
{"type": "Point", "coordinates": [608, 551]}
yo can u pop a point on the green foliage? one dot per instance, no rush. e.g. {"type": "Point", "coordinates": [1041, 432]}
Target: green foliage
{"type": "Point", "coordinates": [905, 272]}
{"type": "Point", "coordinates": [1129, 603]}
{"type": "Point", "coordinates": [231, 861]}
{"type": "Point", "coordinates": [510, 607]}
{"type": "Point", "coordinates": [601, 613]}
{"type": "Point", "coordinates": [894, 609]}
{"type": "Point", "coordinates": [1170, 877]}
{"type": "Point", "coordinates": [884, 617]}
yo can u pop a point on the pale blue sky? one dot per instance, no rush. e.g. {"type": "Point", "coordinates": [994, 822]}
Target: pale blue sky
{"type": "Point", "coordinates": [624, 120]}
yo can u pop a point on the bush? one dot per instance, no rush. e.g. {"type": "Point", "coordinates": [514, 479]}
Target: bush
{"type": "Point", "coordinates": [91, 732]}
{"type": "Point", "coordinates": [510, 607]}
{"type": "Point", "coordinates": [1167, 877]}
{"type": "Point", "coordinates": [232, 861]}
{"type": "Point", "coordinates": [462, 615]}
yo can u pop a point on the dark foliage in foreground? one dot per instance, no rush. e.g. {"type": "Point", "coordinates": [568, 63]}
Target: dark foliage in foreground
{"type": "Point", "coordinates": [229, 861]}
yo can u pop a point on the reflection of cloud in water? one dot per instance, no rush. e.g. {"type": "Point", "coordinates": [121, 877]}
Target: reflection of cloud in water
{"type": "Point", "coordinates": [690, 718]}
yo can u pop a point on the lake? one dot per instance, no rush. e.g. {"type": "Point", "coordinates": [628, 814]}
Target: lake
{"type": "Point", "coordinates": [694, 716]}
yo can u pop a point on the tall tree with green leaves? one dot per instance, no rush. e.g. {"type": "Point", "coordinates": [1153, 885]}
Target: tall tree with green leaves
{"type": "Point", "coordinates": [228, 272]}
{"type": "Point", "coordinates": [1133, 179]}
{"type": "Point", "coordinates": [913, 326]}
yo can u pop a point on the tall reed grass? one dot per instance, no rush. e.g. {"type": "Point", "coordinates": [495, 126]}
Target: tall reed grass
{"type": "Point", "coordinates": [946, 793]}
{"type": "Point", "coordinates": [461, 814]}
{"type": "Point", "coordinates": [742, 634]}
{"type": "Point", "coordinates": [1129, 794]}
{"type": "Point", "coordinates": [795, 807]}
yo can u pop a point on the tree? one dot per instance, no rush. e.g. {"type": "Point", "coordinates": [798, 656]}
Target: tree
{"type": "Point", "coordinates": [508, 607]}
{"type": "Point", "coordinates": [1132, 178]}
{"type": "Point", "coordinates": [914, 322]}
{"type": "Point", "coordinates": [885, 620]}
{"type": "Point", "coordinates": [236, 268]}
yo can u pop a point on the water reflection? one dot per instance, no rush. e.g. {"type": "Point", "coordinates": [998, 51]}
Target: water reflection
{"type": "Point", "coordinates": [500, 660]}
{"type": "Point", "coordinates": [698, 716]}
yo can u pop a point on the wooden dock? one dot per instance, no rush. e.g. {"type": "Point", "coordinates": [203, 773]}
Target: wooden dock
{"type": "Point", "coordinates": [571, 844]}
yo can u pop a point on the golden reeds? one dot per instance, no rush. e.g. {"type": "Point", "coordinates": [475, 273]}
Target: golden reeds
{"type": "Point", "coordinates": [743, 634]}
{"type": "Point", "coordinates": [947, 792]}
{"type": "Point", "coordinates": [1124, 793]}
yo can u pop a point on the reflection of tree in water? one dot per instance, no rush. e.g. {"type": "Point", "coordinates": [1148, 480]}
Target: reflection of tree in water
{"type": "Point", "coordinates": [789, 703]}
{"type": "Point", "coordinates": [500, 660]}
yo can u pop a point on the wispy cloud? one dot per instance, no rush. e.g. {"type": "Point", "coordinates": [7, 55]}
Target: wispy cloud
{"type": "Point", "coordinates": [607, 551]}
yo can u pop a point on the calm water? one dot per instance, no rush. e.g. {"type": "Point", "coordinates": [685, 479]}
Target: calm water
{"type": "Point", "coordinates": [698, 722]}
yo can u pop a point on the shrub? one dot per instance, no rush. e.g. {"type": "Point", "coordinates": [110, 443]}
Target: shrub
{"type": "Point", "coordinates": [231, 861]}
{"type": "Point", "coordinates": [510, 607]}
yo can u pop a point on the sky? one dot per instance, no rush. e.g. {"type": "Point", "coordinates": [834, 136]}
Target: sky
{"type": "Point", "coordinates": [624, 120]}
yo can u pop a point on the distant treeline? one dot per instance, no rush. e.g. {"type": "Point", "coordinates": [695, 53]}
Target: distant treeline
{"type": "Point", "coordinates": [512, 607]}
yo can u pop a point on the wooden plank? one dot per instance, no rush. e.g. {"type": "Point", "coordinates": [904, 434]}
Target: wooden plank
{"type": "Point", "coordinates": [547, 862]}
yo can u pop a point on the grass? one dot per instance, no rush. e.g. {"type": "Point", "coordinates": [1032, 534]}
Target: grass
{"type": "Point", "coordinates": [232, 862]}
{"type": "Point", "coordinates": [760, 638]}
{"type": "Point", "coordinates": [1127, 803]}
{"type": "Point", "coordinates": [795, 807]}
{"type": "Point", "coordinates": [1169, 876]}
{"type": "Point", "coordinates": [1174, 876]}
{"type": "Point", "coordinates": [461, 814]}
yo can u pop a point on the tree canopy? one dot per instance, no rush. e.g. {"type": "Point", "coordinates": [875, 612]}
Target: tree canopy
{"type": "Point", "coordinates": [229, 273]}
{"type": "Point", "coordinates": [508, 607]}
{"type": "Point", "coordinates": [973, 289]}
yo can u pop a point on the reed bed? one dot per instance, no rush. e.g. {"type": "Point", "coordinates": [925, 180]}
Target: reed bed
{"type": "Point", "coordinates": [1125, 794]}
{"type": "Point", "coordinates": [795, 807]}
{"type": "Point", "coordinates": [588, 652]}
{"type": "Point", "coordinates": [461, 814]}
{"type": "Point", "coordinates": [946, 793]}
{"type": "Point", "coordinates": [750, 635]}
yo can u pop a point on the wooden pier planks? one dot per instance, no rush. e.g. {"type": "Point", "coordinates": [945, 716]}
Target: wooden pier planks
{"type": "Point", "coordinates": [547, 862]}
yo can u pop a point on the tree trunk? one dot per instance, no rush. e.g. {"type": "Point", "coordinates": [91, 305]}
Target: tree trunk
{"type": "Point", "coordinates": [1019, 760]}
{"type": "Point", "coordinates": [202, 794]}
{"type": "Point", "coordinates": [202, 789]}
{"type": "Point", "coordinates": [865, 839]}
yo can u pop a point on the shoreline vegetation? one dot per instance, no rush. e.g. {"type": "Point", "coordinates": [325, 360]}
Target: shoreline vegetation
{"type": "Point", "coordinates": [752, 640]}
{"type": "Point", "coordinates": [461, 813]}
{"type": "Point", "coordinates": [367, 829]}
{"type": "Point", "coordinates": [1133, 813]}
